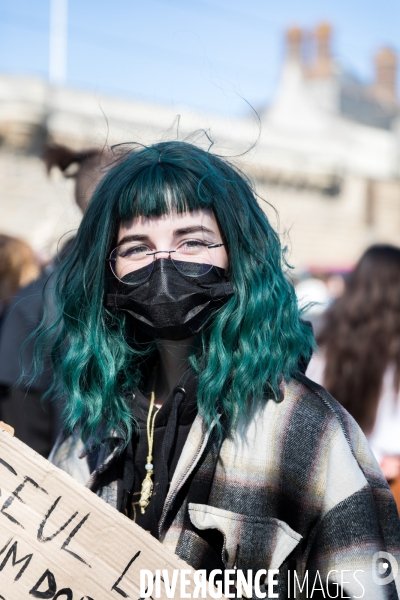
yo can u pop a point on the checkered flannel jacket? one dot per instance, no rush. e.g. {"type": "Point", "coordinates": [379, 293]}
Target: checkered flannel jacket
{"type": "Point", "coordinates": [296, 488]}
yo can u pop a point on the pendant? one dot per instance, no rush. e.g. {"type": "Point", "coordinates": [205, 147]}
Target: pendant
{"type": "Point", "coordinates": [146, 492]}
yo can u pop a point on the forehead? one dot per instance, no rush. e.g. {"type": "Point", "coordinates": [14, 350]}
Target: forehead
{"type": "Point", "coordinates": [167, 224]}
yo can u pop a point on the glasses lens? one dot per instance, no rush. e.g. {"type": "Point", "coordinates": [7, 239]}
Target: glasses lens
{"type": "Point", "coordinates": [131, 264]}
{"type": "Point", "coordinates": [192, 269]}
{"type": "Point", "coordinates": [193, 258]}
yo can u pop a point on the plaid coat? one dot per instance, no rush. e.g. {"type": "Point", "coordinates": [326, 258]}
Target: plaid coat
{"type": "Point", "coordinates": [296, 488]}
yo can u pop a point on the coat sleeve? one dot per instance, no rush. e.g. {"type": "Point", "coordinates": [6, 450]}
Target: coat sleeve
{"type": "Point", "coordinates": [355, 546]}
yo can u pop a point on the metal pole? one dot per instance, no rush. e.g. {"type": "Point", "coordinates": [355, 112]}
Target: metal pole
{"type": "Point", "coordinates": [58, 42]}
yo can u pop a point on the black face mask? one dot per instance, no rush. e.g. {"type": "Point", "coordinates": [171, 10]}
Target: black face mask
{"type": "Point", "coordinates": [169, 305]}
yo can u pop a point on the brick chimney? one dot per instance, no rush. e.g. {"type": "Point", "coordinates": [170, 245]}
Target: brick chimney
{"type": "Point", "coordinates": [320, 64]}
{"type": "Point", "coordinates": [323, 65]}
{"type": "Point", "coordinates": [294, 43]}
{"type": "Point", "coordinates": [385, 75]}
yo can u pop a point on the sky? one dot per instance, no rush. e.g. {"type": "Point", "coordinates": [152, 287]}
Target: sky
{"type": "Point", "coordinates": [212, 55]}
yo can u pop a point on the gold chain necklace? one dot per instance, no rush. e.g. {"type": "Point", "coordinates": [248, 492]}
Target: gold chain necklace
{"type": "Point", "coordinates": [147, 483]}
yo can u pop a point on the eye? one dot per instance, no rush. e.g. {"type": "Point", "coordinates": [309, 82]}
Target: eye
{"type": "Point", "coordinates": [193, 246]}
{"type": "Point", "coordinates": [133, 251]}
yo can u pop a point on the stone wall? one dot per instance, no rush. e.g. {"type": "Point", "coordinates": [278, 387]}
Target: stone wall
{"type": "Point", "coordinates": [320, 230]}
{"type": "Point", "coordinates": [331, 232]}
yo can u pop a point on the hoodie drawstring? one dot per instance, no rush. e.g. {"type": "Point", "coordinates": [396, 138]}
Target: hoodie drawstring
{"type": "Point", "coordinates": [170, 433]}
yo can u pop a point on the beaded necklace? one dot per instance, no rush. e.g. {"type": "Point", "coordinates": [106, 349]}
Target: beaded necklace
{"type": "Point", "coordinates": [147, 483]}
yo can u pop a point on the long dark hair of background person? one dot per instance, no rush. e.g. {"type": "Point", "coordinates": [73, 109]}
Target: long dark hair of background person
{"type": "Point", "coordinates": [361, 334]}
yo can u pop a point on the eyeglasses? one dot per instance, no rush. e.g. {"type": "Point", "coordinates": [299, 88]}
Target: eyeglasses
{"type": "Point", "coordinates": [133, 263]}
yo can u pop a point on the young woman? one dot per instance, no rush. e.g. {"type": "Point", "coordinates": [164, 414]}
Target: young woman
{"type": "Point", "coordinates": [179, 347]}
{"type": "Point", "coordinates": [359, 362]}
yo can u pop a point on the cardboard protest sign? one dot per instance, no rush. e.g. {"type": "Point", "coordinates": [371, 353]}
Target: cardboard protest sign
{"type": "Point", "coordinates": [60, 541]}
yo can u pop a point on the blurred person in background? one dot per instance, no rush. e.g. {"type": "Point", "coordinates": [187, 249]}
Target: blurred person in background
{"type": "Point", "coordinates": [313, 299]}
{"type": "Point", "coordinates": [315, 293]}
{"type": "Point", "coordinates": [18, 267]}
{"type": "Point", "coordinates": [90, 167]}
{"type": "Point", "coordinates": [36, 421]}
{"type": "Point", "coordinates": [359, 358]}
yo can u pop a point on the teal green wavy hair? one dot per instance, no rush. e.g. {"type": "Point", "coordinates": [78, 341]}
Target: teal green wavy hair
{"type": "Point", "coordinates": [250, 343]}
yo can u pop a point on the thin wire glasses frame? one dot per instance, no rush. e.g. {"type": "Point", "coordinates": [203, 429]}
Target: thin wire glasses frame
{"type": "Point", "coordinates": [140, 275]}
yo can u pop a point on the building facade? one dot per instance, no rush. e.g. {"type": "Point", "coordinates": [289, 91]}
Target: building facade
{"type": "Point", "coordinates": [324, 155]}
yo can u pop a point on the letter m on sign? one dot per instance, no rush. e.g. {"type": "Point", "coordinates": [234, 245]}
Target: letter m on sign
{"type": "Point", "coordinates": [12, 553]}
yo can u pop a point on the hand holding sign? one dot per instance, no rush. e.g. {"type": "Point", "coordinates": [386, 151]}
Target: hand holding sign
{"type": "Point", "coordinates": [7, 428]}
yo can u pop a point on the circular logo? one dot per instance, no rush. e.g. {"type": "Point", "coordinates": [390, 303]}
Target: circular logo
{"type": "Point", "coordinates": [384, 568]}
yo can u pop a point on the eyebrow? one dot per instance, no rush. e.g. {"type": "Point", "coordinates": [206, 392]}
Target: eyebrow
{"type": "Point", "coordinates": [133, 238]}
{"type": "Point", "coordinates": [192, 229]}
{"type": "Point", "coordinates": [138, 237]}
